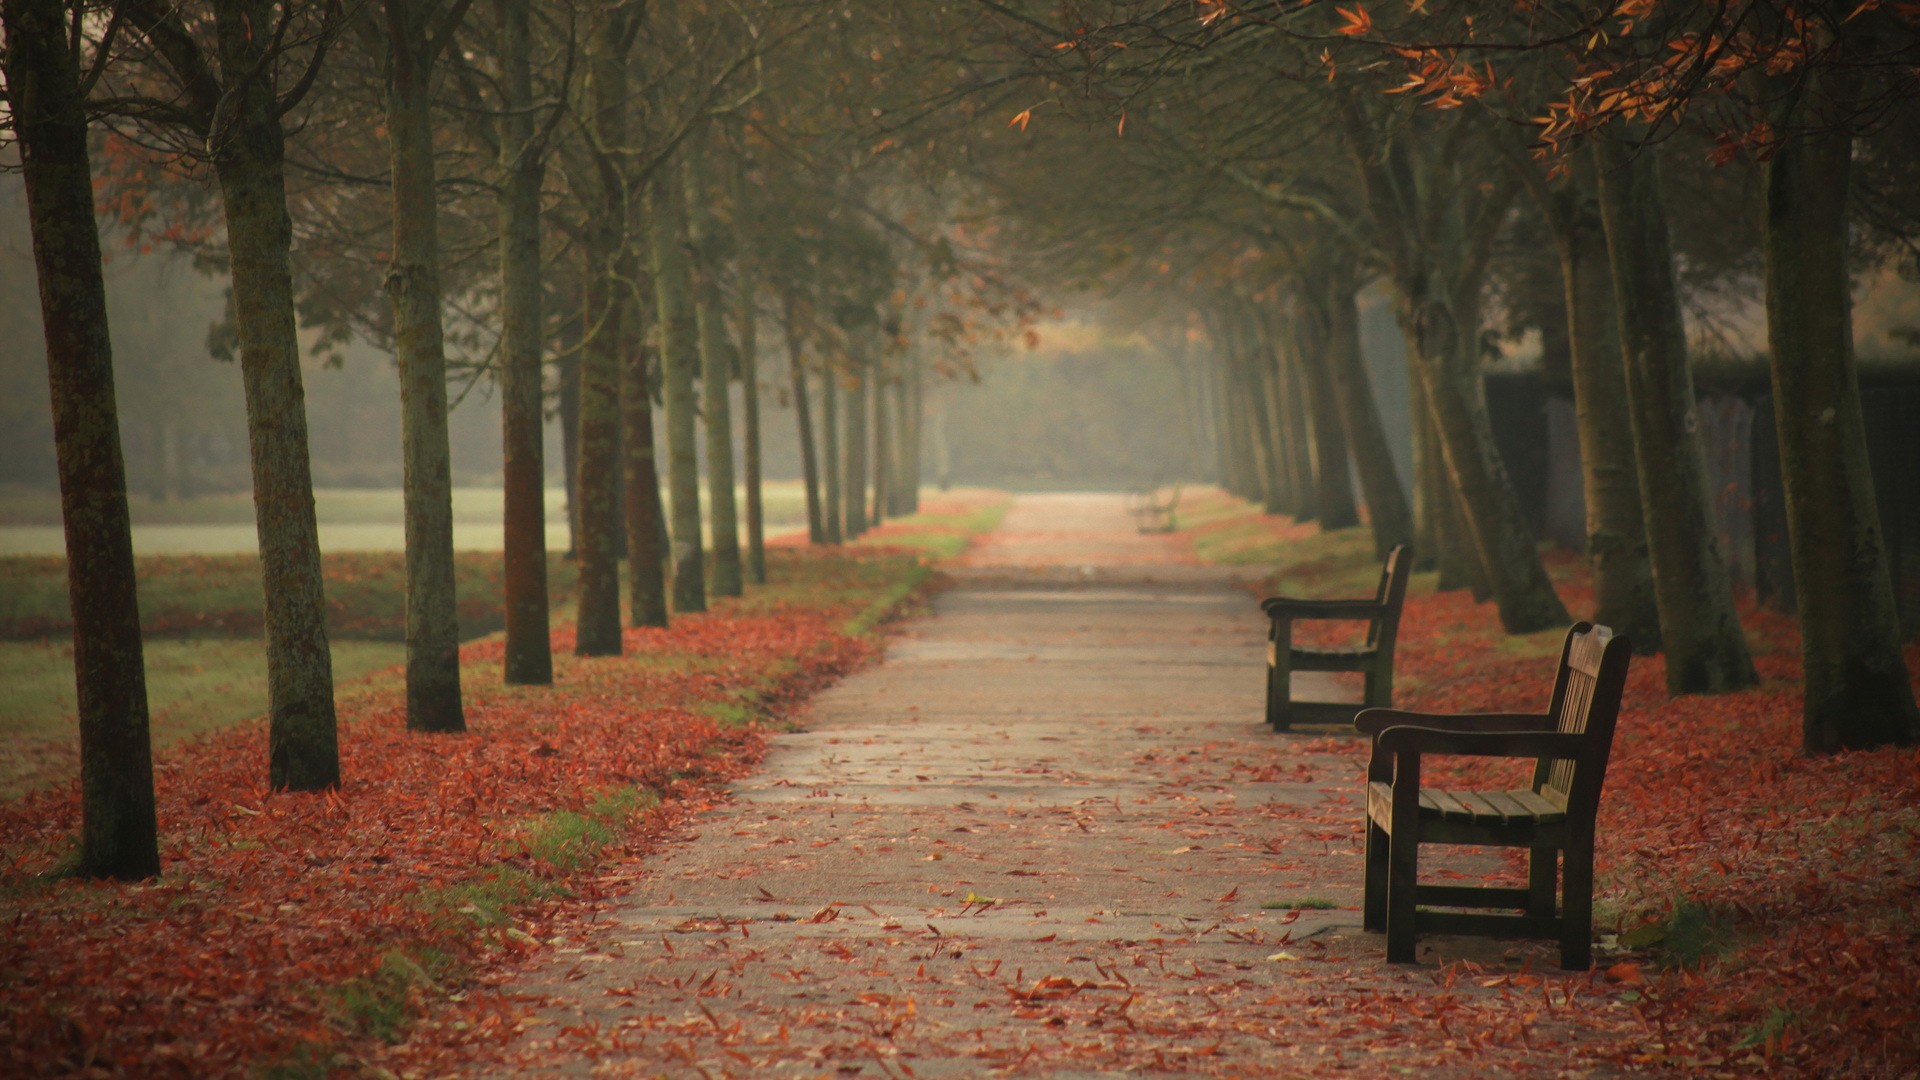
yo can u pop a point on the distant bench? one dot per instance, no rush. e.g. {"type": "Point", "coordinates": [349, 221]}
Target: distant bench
{"type": "Point", "coordinates": [1153, 508]}
{"type": "Point", "coordinates": [1554, 815]}
{"type": "Point", "coordinates": [1373, 658]}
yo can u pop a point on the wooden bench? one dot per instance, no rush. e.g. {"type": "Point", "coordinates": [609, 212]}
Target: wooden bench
{"type": "Point", "coordinates": [1373, 658]}
{"type": "Point", "coordinates": [1153, 509]}
{"type": "Point", "coordinates": [1570, 743]}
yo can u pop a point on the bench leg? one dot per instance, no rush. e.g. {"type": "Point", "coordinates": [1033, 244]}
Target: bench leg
{"type": "Point", "coordinates": [1542, 877]}
{"type": "Point", "coordinates": [1373, 906]}
{"type": "Point", "coordinates": [1576, 918]}
{"type": "Point", "coordinates": [1403, 858]}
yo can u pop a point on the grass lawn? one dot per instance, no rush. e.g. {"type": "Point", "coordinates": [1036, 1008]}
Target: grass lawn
{"type": "Point", "coordinates": [194, 686]}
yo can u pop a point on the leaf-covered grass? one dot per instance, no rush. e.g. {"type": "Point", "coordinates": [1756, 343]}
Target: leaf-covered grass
{"type": "Point", "coordinates": [1773, 893]}
{"type": "Point", "coordinates": [288, 926]}
{"type": "Point", "coordinates": [220, 595]}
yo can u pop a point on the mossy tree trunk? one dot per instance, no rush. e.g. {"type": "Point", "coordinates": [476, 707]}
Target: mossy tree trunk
{"type": "Point", "coordinates": [1706, 650]}
{"type": "Point", "coordinates": [606, 293]}
{"type": "Point", "coordinates": [1858, 691]}
{"type": "Point", "coordinates": [413, 287]}
{"type": "Point", "coordinates": [118, 826]}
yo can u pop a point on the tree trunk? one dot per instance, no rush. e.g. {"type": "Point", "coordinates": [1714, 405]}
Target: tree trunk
{"type": "Point", "coordinates": [882, 445]}
{"type": "Point", "coordinates": [913, 420]}
{"type": "Point", "coordinates": [1390, 515]}
{"type": "Point", "coordinates": [303, 743]}
{"type": "Point", "coordinates": [854, 483]}
{"type": "Point", "coordinates": [803, 423]}
{"type": "Point", "coordinates": [716, 368]}
{"type": "Point", "coordinates": [118, 826]}
{"type": "Point", "coordinates": [1706, 651]}
{"type": "Point", "coordinates": [1332, 479]}
{"type": "Point", "coordinates": [606, 294]}
{"type": "Point", "coordinates": [749, 320]}
{"type": "Point", "coordinates": [646, 556]}
{"type": "Point", "coordinates": [679, 356]}
{"type": "Point", "coordinates": [1616, 527]}
{"type": "Point", "coordinates": [1297, 435]}
{"type": "Point", "coordinates": [1858, 691]}
{"type": "Point", "coordinates": [568, 378]}
{"type": "Point", "coordinates": [529, 648]}
{"type": "Point", "coordinates": [836, 515]}
{"type": "Point", "coordinates": [413, 286]}
{"type": "Point", "coordinates": [1429, 482]}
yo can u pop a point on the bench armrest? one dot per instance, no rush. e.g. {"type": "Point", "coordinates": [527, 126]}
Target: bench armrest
{"type": "Point", "coordinates": [1375, 721]}
{"type": "Point", "coordinates": [1519, 744]}
{"type": "Point", "coordinates": [1286, 607]}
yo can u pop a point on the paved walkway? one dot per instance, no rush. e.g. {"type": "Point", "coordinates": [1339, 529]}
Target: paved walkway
{"type": "Point", "coordinates": [1048, 836]}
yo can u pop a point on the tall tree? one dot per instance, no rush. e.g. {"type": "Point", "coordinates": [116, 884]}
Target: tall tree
{"type": "Point", "coordinates": [803, 423]}
{"type": "Point", "coordinates": [416, 32]}
{"type": "Point", "coordinates": [1858, 690]}
{"type": "Point", "coordinates": [118, 825]}
{"type": "Point", "coordinates": [229, 99]}
{"type": "Point", "coordinates": [679, 359]}
{"type": "Point", "coordinates": [716, 359]}
{"type": "Point", "coordinates": [522, 169]}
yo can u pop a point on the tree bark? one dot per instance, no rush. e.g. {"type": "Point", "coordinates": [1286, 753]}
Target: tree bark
{"type": "Point", "coordinates": [1332, 478]}
{"type": "Point", "coordinates": [1616, 526]}
{"type": "Point", "coordinates": [836, 515]}
{"type": "Point", "coordinates": [854, 483]}
{"type": "Point", "coordinates": [1706, 651]}
{"type": "Point", "coordinates": [716, 368]}
{"type": "Point", "coordinates": [303, 742]}
{"type": "Point", "coordinates": [529, 648]}
{"type": "Point", "coordinates": [882, 445]}
{"type": "Point", "coordinates": [1858, 691]}
{"type": "Point", "coordinates": [646, 555]}
{"type": "Point", "coordinates": [118, 826]}
{"type": "Point", "coordinates": [606, 292]}
{"type": "Point", "coordinates": [803, 423]}
{"type": "Point", "coordinates": [749, 319]}
{"type": "Point", "coordinates": [1390, 516]}
{"type": "Point", "coordinates": [679, 357]}
{"type": "Point", "coordinates": [413, 286]}
{"type": "Point", "coordinates": [1296, 434]}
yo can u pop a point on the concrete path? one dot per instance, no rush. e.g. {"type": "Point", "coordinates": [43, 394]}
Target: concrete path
{"type": "Point", "coordinates": [1037, 840]}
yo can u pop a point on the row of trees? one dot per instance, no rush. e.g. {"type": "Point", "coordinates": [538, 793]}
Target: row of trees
{"type": "Point", "coordinates": [616, 194]}
{"type": "Point", "coordinates": [1499, 167]}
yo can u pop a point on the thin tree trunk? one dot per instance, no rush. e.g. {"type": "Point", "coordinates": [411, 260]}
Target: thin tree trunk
{"type": "Point", "coordinates": [854, 483]}
{"type": "Point", "coordinates": [914, 419]}
{"type": "Point", "coordinates": [529, 648]}
{"type": "Point", "coordinates": [836, 516]}
{"type": "Point", "coordinates": [803, 423]}
{"type": "Point", "coordinates": [118, 826]}
{"type": "Point", "coordinates": [606, 294]}
{"type": "Point", "coordinates": [1297, 436]}
{"type": "Point", "coordinates": [413, 286]}
{"type": "Point", "coordinates": [303, 743]}
{"type": "Point", "coordinates": [568, 378]}
{"type": "Point", "coordinates": [749, 320]}
{"type": "Point", "coordinates": [1706, 651]}
{"type": "Point", "coordinates": [1390, 516]}
{"type": "Point", "coordinates": [679, 357]}
{"type": "Point", "coordinates": [1858, 691]}
{"type": "Point", "coordinates": [716, 368]}
{"type": "Point", "coordinates": [1257, 373]}
{"type": "Point", "coordinates": [1429, 482]}
{"type": "Point", "coordinates": [882, 446]}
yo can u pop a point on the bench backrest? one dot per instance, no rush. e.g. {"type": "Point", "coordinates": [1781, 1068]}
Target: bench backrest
{"type": "Point", "coordinates": [1586, 701]}
{"type": "Point", "coordinates": [1391, 595]}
